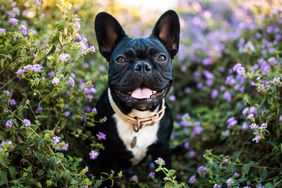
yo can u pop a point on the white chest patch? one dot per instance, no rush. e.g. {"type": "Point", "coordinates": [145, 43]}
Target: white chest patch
{"type": "Point", "coordinates": [146, 136]}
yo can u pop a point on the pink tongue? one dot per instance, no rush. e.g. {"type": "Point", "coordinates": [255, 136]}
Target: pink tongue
{"type": "Point", "coordinates": [142, 93]}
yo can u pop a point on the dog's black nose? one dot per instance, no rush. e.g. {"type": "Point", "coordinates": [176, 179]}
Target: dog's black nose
{"type": "Point", "coordinates": [142, 66]}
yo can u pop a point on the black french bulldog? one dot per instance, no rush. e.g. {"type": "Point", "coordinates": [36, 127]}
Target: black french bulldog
{"type": "Point", "coordinates": [139, 123]}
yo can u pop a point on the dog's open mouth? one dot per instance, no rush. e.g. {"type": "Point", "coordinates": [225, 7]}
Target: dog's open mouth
{"type": "Point", "coordinates": [144, 93]}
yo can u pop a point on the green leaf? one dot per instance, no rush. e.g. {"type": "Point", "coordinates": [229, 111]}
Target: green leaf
{"type": "Point", "coordinates": [246, 168]}
{"type": "Point", "coordinates": [171, 172]}
{"type": "Point", "coordinates": [268, 185]}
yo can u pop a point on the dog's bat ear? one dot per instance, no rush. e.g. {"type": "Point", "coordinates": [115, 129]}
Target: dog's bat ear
{"type": "Point", "coordinates": [167, 30]}
{"type": "Point", "coordinates": [108, 33]}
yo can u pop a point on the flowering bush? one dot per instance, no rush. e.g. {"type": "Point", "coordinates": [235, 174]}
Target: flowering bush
{"type": "Point", "coordinates": [226, 96]}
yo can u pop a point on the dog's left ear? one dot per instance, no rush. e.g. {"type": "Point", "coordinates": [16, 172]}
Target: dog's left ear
{"type": "Point", "coordinates": [108, 33]}
{"type": "Point", "coordinates": [167, 30]}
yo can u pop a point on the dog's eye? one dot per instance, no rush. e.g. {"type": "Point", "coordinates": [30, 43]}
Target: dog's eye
{"type": "Point", "coordinates": [161, 58]}
{"type": "Point", "coordinates": [120, 59]}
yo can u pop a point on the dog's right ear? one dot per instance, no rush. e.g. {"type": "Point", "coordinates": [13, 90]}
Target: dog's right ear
{"type": "Point", "coordinates": [108, 33]}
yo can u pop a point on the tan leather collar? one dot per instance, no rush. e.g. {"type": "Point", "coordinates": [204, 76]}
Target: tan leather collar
{"type": "Point", "coordinates": [138, 122]}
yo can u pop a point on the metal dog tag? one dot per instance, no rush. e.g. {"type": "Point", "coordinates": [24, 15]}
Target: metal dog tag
{"type": "Point", "coordinates": [133, 142]}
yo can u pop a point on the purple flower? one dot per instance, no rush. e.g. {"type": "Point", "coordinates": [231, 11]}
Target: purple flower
{"type": "Point", "coordinates": [260, 186]}
{"type": "Point", "coordinates": [27, 68]}
{"type": "Point", "coordinates": [227, 96]}
{"type": "Point", "coordinates": [71, 81]}
{"type": "Point", "coordinates": [77, 26]}
{"type": "Point", "coordinates": [23, 29]}
{"type": "Point", "coordinates": [92, 49]}
{"type": "Point", "coordinates": [186, 145]}
{"type": "Point", "coordinates": [56, 140]}
{"type": "Point", "coordinates": [207, 61]}
{"type": "Point", "coordinates": [216, 186]}
{"type": "Point", "coordinates": [9, 123]}
{"type": "Point", "coordinates": [102, 68]}
{"type": "Point", "coordinates": [78, 37]}
{"type": "Point", "coordinates": [65, 147]}
{"type": "Point", "coordinates": [263, 126]}
{"type": "Point", "coordinates": [246, 187]}
{"type": "Point", "coordinates": [13, 21]}
{"type": "Point", "coordinates": [229, 182]}
{"type": "Point", "coordinates": [197, 130]}
{"type": "Point", "coordinates": [202, 170]}
{"type": "Point", "coordinates": [38, 3]}
{"type": "Point", "coordinates": [245, 111]}
{"type": "Point", "coordinates": [26, 122]}
{"type": "Point", "coordinates": [13, 102]}
{"type": "Point", "coordinates": [231, 122]}
{"type": "Point", "coordinates": [134, 178]}
{"type": "Point", "coordinates": [172, 98]}
{"type": "Point", "coordinates": [214, 94]}
{"type": "Point", "coordinates": [245, 126]}
{"type": "Point", "coordinates": [51, 74]}
{"type": "Point", "coordinates": [101, 136]}
{"type": "Point", "coordinates": [251, 116]}
{"type": "Point", "coordinates": [280, 118]}
{"type": "Point", "coordinates": [93, 154]}
{"type": "Point", "coordinates": [192, 179]}
{"type": "Point", "coordinates": [159, 161]}
{"type": "Point", "coordinates": [253, 126]}
{"type": "Point", "coordinates": [151, 175]}
{"type": "Point", "coordinates": [230, 80]}
{"type": "Point", "coordinates": [19, 73]}
{"type": "Point", "coordinates": [67, 113]}
{"type": "Point", "coordinates": [253, 110]}
{"type": "Point", "coordinates": [191, 154]}
{"type": "Point", "coordinates": [64, 57]}
{"type": "Point", "coordinates": [236, 174]}
{"type": "Point", "coordinates": [55, 81]}
{"type": "Point", "coordinates": [200, 85]}
{"type": "Point", "coordinates": [208, 75]}
{"type": "Point", "coordinates": [2, 31]}
{"type": "Point", "coordinates": [239, 69]}
{"type": "Point", "coordinates": [36, 67]}
{"type": "Point", "coordinates": [257, 138]}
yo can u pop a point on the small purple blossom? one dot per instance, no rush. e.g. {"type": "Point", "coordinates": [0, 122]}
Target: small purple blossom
{"type": "Point", "coordinates": [92, 49]}
{"type": "Point", "coordinates": [186, 145]}
{"type": "Point", "coordinates": [239, 69]}
{"type": "Point", "coordinates": [151, 175]}
{"type": "Point", "coordinates": [257, 138]}
{"type": "Point", "coordinates": [192, 179]}
{"type": "Point", "coordinates": [19, 73]}
{"type": "Point", "coordinates": [56, 140]}
{"type": "Point", "coordinates": [216, 186]}
{"type": "Point", "coordinates": [65, 147]}
{"type": "Point", "coordinates": [202, 170]}
{"type": "Point", "coordinates": [227, 96]}
{"type": "Point", "coordinates": [251, 116]}
{"type": "Point", "coordinates": [191, 154]}
{"type": "Point", "coordinates": [55, 81]}
{"type": "Point", "coordinates": [172, 98]}
{"type": "Point", "coordinates": [51, 74]}
{"type": "Point", "coordinates": [236, 174]}
{"type": "Point", "coordinates": [214, 94]}
{"type": "Point", "coordinates": [9, 123]}
{"type": "Point", "coordinates": [77, 26]}
{"type": "Point", "coordinates": [229, 182]}
{"type": "Point", "coordinates": [26, 122]}
{"type": "Point", "coordinates": [263, 126]}
{"type": "Point", "coordinates": [13, 21]}
{"type": "Point", "coordinates": [36, 67]}
{"type": "Point", "coordinates": [13, 102]}
{"type": "Point", "coordinates": [231, 122]}
{"type": "Point", "coordinates": [253, 126]}
{"type": "Point", "coordinates": [197, 130]}
{"type": "Point", "coordinates": [64, 57]}
{"type": "Point", "coordinates": [93, 154]}
{"type": "Point", "coordinates": [23, 29]}
{"type": "Point", "coordinates": [159, 161]}
{"type": "Point", "coordinates": [71, 81]}
{"type": "Point", "coordinates": [134, 178]}
{"type": "Point", "coordinates": [67, 113]}
{"type": "Point", "coordinates": [78, 36]}
{"type": "Point", "coordinates": [2, 31]}
{"type": "Point", "coordinates": [245, 126]}
{"type": "Point", "coordinates": [101, 136]}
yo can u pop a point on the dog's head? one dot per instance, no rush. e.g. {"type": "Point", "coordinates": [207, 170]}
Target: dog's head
{"type": "Point", "coordinates": [140, 69]}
